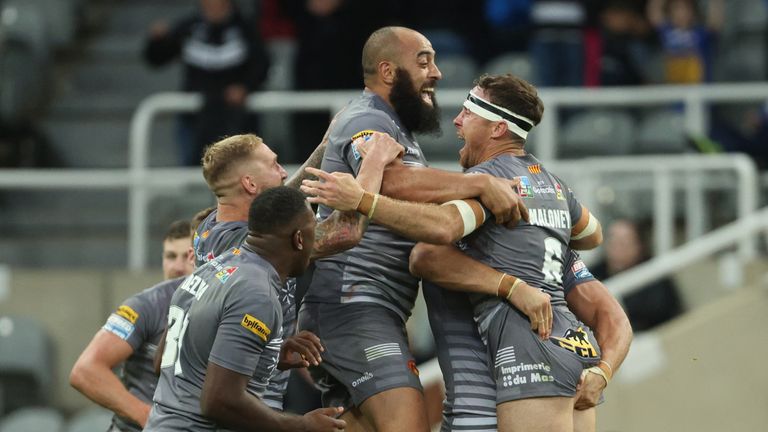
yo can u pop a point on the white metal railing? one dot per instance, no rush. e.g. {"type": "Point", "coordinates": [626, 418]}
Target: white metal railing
{"type": "Point", "coordinates": [664, 171]}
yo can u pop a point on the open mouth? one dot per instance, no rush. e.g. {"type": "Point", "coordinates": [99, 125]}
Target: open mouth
{"type": "Point", "coordinates": [427, 93]}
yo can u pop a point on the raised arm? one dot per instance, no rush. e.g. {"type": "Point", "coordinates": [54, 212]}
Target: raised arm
{"type": "Point", "coordinates": [594, 305]}
{"type": "Point", "coordinates": [343, 230]}
{"type": "Point", "coordinates": [92, 376]}
{"type": "Point", "coordinates": [452, 269]}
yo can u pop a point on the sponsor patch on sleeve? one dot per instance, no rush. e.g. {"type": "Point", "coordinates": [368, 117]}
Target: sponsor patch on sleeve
{"type": "Point", "coordinates": [256, 326]}
{"type": "Point", "coordinates": [119, 326]}
{"type": "Point", "coordinates": [128, 313]}
{"type": "Point", "coordinates": [580, 271]}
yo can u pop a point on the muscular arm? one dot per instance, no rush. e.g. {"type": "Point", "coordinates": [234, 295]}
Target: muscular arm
{"type": "Point", "coordinates": [430, 185]}
{"type": "Point", "coordinates": [93, 377]}
{"type": "Point", "coordinates": [587, 233]}
{"type": "Point", "coordinates": [343, 230]}
{"type": "Point", "coordinates": [594, 305]}
{"type": "Point", "coordinates": [450, 268]}
{"type": "Point", "coordinates": [313, 161]}
{"type": "Point", "coordinates": [224, 399]}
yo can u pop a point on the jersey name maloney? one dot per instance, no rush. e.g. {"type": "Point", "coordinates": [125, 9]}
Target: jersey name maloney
{"type": "Point", "coordinates": [549, 218]}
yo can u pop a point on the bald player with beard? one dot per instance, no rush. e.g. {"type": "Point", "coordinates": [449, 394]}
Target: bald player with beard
{"type": "Point", "coordinates": [359, 300]}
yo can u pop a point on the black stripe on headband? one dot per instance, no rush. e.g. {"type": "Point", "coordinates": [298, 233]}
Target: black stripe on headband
{"type": "Point", "coordinates": [524, 125]}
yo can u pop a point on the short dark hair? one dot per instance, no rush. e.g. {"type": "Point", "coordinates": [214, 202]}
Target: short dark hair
{"type": "Point", "coordinates": [514, 94]}
{"type": "Point", "coordinates": [179, 229]}
{"type": "Point", "coordinates": [275, 208]}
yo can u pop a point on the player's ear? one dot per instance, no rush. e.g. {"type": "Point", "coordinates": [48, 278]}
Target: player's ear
{"type": "Point", "coordinates": [387, 72]}
{"type": "Point", "coordinates": [248, 185]}
{"type": "Point", "coordinates": [500, 128]}
{"type": "Point", "coordinates": [191, 256]}
{"type": "Point", "coordinates": [298, 240]}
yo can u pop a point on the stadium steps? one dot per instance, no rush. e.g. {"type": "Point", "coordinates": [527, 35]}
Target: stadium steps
{"type": "Point", "coordinates": [702, 372]}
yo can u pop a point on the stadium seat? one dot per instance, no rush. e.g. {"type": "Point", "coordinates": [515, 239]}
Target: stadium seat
{"type": "Point", "coordinates": [744, 60]}
{"type": "Point", "coordinates": [26, 363]}
{"type": "Point", "coordinates": [126, 78]}
{"type": "Point", "coordinates": [24, 21]}
{"type": "Point", "coordinates": [661, 131]}
{"type": "Point", "coordinates": [60, 20]}
{"type": "Point", "coordinates": [597, 133]}
{"type": "Point", "coordinates": [20, 84]}
{"type": "Point", "coordinates": [33, 420]}
{"type": "Point", "coordinates": [95, 419]}
{"type": "Point", "coordinates": [516, 64]}
{"type": "Point", "coordinates": [458, 71]}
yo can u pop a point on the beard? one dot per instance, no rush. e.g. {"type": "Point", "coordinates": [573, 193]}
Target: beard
{"type": "Point", "coordinates": [415, 114]}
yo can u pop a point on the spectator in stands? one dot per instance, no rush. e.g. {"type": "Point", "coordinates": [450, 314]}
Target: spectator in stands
{"type": "Point", "coordinates": [508, 24]}
{"type": "Point", "coordinates": [329, 35]}
{"type": "Point", "coordinates": [625, 48]}
{"type": "Point", "coordinates": [687, 43]}
{"type": "Point", "coordinates": [651, 305]}
{"type": "Point", "coordinates": [224, 59]}
{"type": "Point", "coordinates": [557, 40]}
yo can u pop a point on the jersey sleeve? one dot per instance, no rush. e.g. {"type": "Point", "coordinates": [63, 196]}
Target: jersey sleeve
{"type": "Point", "coordinates": [574, 206]}
{"type": "Point", "coordinates": [357, 127]}
{"type": "Point", "coordinates": [249, 322]}
{"type": "Point", "coordinates": [132, 320]}
{"type": "Point", "coordinates": [576, 272]}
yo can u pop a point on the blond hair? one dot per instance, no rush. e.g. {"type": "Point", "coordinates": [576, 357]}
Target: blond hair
{"type": "Point", "coordinates": [222, 158]}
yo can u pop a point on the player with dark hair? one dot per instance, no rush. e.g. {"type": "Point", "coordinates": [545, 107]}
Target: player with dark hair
{"type": "Point", "coordinates": [497, 116]}
{"type": "Point", "coordinates": [176, 250]}
{"type": "Point", "coordinates": [130, 337]}
{"type": "Point", "coordinates": [225, 328]}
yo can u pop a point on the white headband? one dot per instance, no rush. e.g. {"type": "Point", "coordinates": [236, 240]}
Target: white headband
{"type": "Point", "coordinates": [518, 124]}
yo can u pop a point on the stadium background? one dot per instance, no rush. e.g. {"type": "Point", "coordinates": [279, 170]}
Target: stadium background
{"type": "Point", "coordinates": [83, 206]}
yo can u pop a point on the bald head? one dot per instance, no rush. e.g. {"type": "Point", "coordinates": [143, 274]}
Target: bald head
{"type": "Point", "coordinates": [383, 45]}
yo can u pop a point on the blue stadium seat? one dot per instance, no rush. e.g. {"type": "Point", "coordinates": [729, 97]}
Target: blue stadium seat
{"type": "Point", "coordinates": [26, 363]}
{"type": "Point", "coordinates": [33, 420]}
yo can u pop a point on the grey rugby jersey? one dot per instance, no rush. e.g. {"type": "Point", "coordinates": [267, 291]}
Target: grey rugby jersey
{"type": "Point", "coordinates": [470, 390]}
{"type": "Point", "coordinates": [213, 238]}
{"type": "Point", "coordinates": [534, 252]}
{"type": "Point", "coordinates": [375, 271]}
{"type": "Point", "coordinates": [227, 312]}
{"type": "Point", "coordinates": [140, 321]}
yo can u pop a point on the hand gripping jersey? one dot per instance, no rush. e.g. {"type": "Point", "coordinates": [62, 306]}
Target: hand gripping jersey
{"type": "Point", "coordinates": [140, 320]}
{"type": "Point", "coordinates": [376, 271]}
{"type": "Point", "coordinates": [470, 388]}
{"type": "Point", "coordinates": [227, 312]}
{"type": "Point", "coordinates": [211, 239]}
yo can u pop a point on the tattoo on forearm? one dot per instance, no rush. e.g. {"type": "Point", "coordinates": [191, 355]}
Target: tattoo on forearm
{"type": "Point", "coordinates": [313, 161]}
{"type": "Point", "coordinates": [338, 233]}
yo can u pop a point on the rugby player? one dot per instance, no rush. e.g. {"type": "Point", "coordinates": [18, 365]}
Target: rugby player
{"type": "Point", "coordinates": [130, 338]}
{"type": "Point", "coordinates": [494, 123]}
{"type": "Point", "coordinates": [359, 300]}
{"type": "Point", "coordinates": [225, 328]}
{"type": "Point", "coordinates": [236, 170]}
